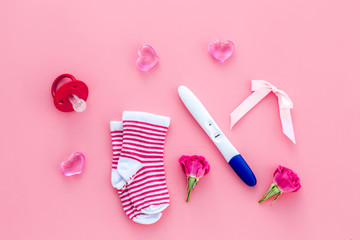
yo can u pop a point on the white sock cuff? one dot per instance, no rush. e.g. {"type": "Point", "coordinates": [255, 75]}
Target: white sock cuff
{"type": "Point", "coordinates": [146, 117]}
{"type": "Point", "coordinates": [116, 126]}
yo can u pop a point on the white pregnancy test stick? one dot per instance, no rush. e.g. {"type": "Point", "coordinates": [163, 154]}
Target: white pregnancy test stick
{"type": "Point", "coordinates": [202, 116]}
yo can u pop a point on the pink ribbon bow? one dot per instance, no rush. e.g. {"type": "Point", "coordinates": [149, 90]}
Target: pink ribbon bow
{"type": "Point", "coordinates": [260, 89]}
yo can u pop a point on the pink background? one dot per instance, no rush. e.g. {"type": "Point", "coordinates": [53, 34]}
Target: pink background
{"type": "Point", "coordinates": [310, 49]}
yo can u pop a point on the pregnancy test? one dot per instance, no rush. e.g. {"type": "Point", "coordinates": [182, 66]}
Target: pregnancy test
{"type": "Point", "coordinates": [229, 152]}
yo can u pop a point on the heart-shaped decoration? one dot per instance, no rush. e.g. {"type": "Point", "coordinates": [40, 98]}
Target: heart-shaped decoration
{"type": "Point", "coordinates": [74, 165]}
{"type": "Point", "coordinates": [147, 58]}
{"type": "Point", "coordinates": [221, 50]}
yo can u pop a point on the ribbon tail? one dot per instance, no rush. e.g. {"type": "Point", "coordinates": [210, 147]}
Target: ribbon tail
{"type": "Point", "coordinates": [247, 105]}
{"type": "Point", "coordinates": [286, 123]}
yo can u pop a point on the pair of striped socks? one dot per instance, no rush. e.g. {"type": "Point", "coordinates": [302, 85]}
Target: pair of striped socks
{"type": "Point", "coordinates": [138, 172]}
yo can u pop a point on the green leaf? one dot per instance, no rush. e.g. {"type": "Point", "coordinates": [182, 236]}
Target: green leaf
{"type": "Point", "coordinates": [190, 186]}
{"type": "Point", "coordinates": [274, 190]}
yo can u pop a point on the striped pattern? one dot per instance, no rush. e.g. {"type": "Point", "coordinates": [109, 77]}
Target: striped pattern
{"type": "Point", "coordinates": [116, 141]}
{"type": "Point", "coordinates": [144, 142]}
{"type": "Point", "coordinates": [130, 210]}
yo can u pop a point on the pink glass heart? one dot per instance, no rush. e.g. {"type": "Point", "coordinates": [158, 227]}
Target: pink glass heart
{"type": "Point", "coordinates": [147, 58]}
{"type": "Point", "coordinates": [74, 165]}
{"type": "Point", "coordinates": [221, 50]}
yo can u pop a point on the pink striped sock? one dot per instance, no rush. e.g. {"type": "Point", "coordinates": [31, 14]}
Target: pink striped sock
{"type": "Point", "coordinates": [119, 183]}
{"type": "Point", "coordinates": [116, 140]}
{"type": "Point", "coordinates": [142, 153]}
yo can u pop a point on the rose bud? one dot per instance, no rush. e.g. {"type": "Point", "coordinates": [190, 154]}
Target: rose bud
{"type": "Point", "coordinates": [194, 167]}
{"type": "Point", "coordinates": [285, 180]}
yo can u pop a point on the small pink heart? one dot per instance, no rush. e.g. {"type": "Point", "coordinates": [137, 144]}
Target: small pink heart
{"type": "Point", "coordinates": [221, 50]}
{"type": "Point", "coordinates": [74, 165]}
{"type": "Point", "coordinates": [147, 58]}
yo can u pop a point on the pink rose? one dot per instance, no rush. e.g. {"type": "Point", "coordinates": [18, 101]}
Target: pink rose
{"type": "Point", "coordinates": [285, 180]}
{"type": "Point", "coordinates": [194, 167]}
